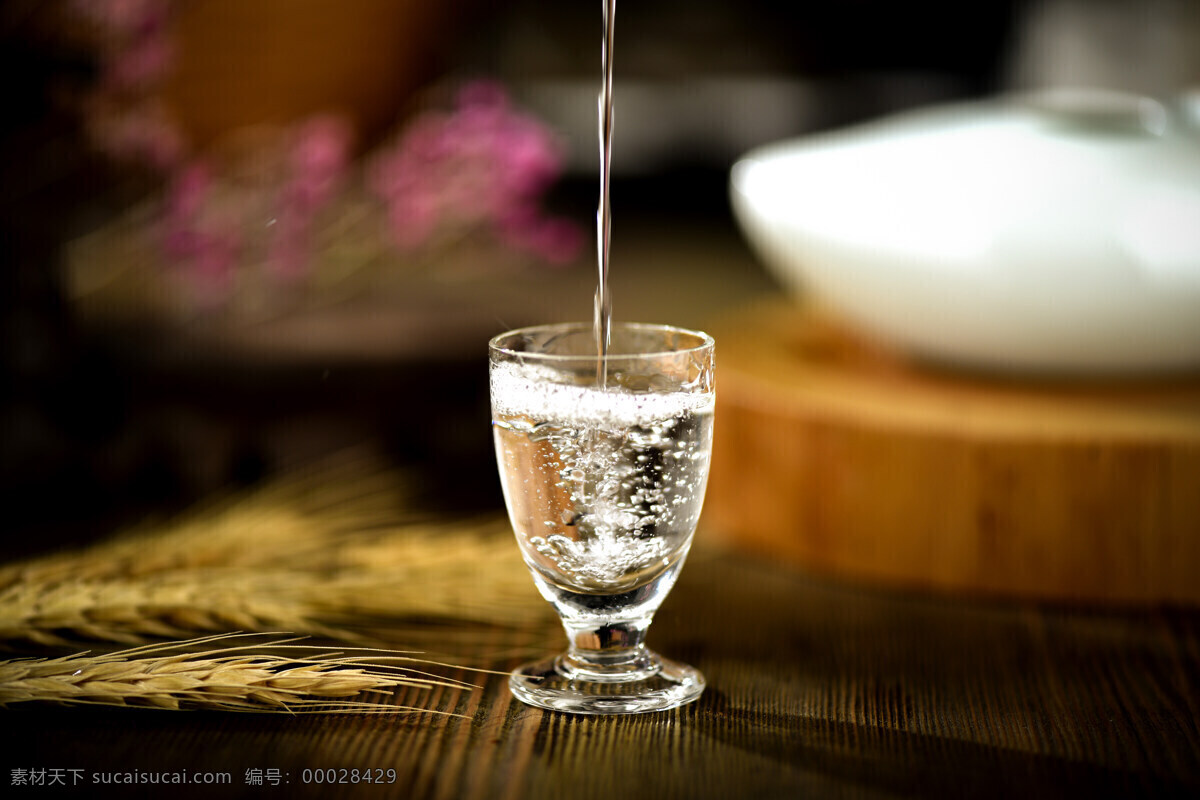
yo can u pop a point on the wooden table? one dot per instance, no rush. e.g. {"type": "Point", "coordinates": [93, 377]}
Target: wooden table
{"type": "Point", "coordinates": [816, 689]}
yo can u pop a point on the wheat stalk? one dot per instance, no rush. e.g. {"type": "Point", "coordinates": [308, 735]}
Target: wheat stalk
{"type": "Point", "coordinates": [292, 520]}
{"type": "Point", "coordinates": [133, 611]}
{"type": "Point", "coordinates": [314, 553]}
{"type": "Point", "coordinates": [181, 603]}
{"type": "Point", "coordinates": [169, 676]}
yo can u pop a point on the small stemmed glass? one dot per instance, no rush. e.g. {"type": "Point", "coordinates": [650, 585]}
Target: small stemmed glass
{"type": "Point", "coordinates": [604, 472]}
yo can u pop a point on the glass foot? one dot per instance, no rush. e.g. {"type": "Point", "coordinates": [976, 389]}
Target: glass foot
{"type": "Point", "coordinates": [559, 684]}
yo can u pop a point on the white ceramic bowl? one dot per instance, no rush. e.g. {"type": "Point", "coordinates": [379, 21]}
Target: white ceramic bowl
{"type": "Point", "coordinates": [1050, 233]}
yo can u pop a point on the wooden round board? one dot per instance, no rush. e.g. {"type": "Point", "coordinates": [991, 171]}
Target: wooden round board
{"type": "Point", "coordinates": [844, 457]}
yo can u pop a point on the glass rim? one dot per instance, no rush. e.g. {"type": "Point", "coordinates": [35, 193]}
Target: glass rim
{"type": "Point", "coordinates": [494, 346]}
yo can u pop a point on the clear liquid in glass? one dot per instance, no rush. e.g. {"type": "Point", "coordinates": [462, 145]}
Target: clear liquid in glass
{"type": "Point", "coordinates": [604, 507]}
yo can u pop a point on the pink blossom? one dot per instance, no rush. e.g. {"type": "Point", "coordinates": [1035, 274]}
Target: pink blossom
{"type": "Point", "coordinates": [125, 17]}
{"type": "Point", "coordinates": [142, 64]}
{"type": "Point", "coordinates": [188, 193]}
{"type": "Point", "coordinates": [557, 240]}
{"type": "Point", "coordinates": [289, 249]}
{"type": "Point", "coordinates": [553, 239]}
{"type": "Point", "coordinates": [215, 258]}
{"type": "Point", "coordinates": [203, 247]}
{"type": "Point", "coordinates": [413, 219]}
{"type": "Point", "coordinates": [321, 148]}
{"type": "Point", "coordinates": [136, 51]}
{"type": "Point", "coordinates": [206, 260]}
{"type": "Point", "coordinates": [137, 45]}
{"type": "Point", "coordinates": [317, 162]}
{"type": "Point", "coordinates": [484, 164]}
{"type": "Point", "coordinates": [482, 92]}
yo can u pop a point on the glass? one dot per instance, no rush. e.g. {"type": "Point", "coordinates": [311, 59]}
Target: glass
{"type": "Point", "coordinates": [604, 478]}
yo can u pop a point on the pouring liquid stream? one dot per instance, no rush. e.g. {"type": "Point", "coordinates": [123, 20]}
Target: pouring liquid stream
{"type": "Point", "coordinates": [603, 305]}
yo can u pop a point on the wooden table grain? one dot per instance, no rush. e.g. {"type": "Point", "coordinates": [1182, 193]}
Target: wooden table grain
{"type": "Point", "coordinates": [817, 688]}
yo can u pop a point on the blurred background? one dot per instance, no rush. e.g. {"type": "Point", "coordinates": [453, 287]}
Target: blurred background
{"type": "Point", "coordinates": [237, 234]}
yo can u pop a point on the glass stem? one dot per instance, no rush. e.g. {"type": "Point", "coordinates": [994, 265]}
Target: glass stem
{"type": "Point", "coordinates": [612, 649]}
